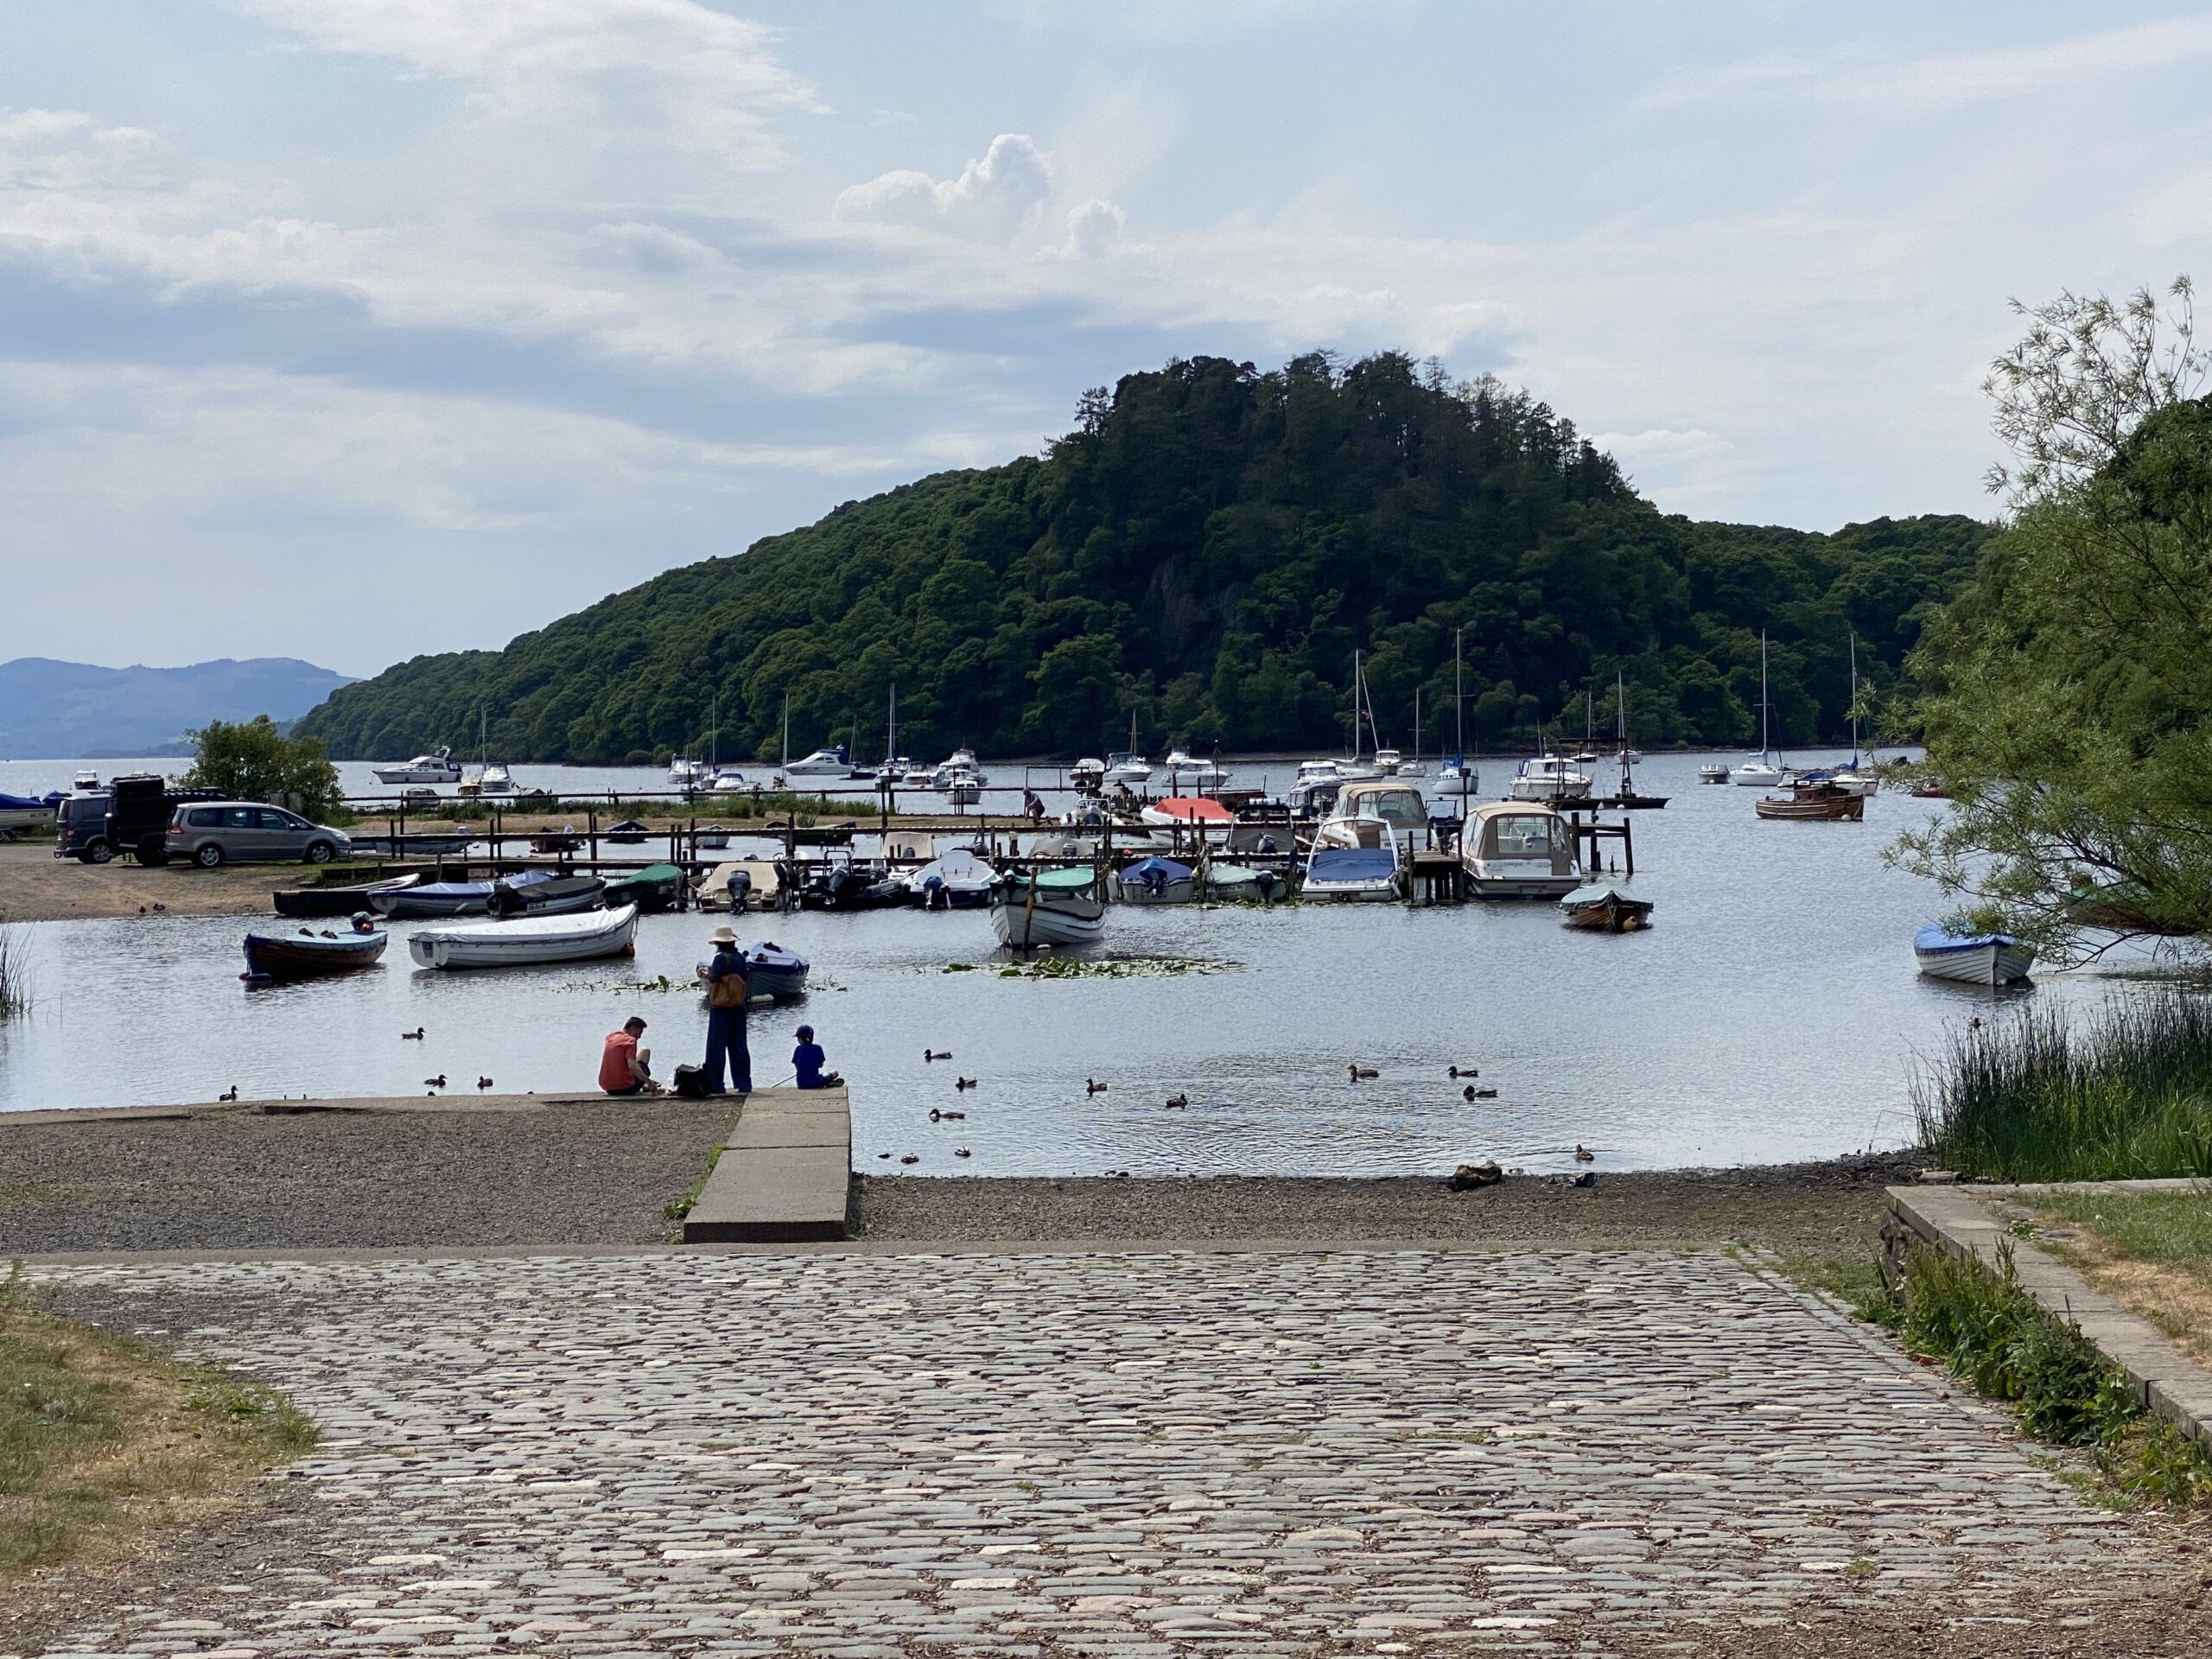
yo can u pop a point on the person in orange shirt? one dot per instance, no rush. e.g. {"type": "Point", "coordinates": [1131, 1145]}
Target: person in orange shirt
{"type": "Point", "coordinates": [623, 1068]}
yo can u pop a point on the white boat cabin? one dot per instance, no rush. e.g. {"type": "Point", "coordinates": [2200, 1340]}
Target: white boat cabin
{"type": "Point", "coordinates": [1519, 850]}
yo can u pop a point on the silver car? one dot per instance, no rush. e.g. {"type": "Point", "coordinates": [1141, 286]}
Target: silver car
{"type": "Point", "coordinates": [211, 832]}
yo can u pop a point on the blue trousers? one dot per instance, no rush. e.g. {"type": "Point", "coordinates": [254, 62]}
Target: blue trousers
{"type": "Point", "coordinates": [726, 1047]}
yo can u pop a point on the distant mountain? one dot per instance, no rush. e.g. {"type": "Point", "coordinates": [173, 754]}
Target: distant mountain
{"type": "Point", "coordinates": [54, 710]}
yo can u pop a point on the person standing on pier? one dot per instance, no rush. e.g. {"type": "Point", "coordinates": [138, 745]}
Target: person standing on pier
{"type": "Point", "coordinates": [727, 990]}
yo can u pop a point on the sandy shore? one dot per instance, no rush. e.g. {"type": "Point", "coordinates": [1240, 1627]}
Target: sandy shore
{"type": "Point", "coordinates": [36, 886]}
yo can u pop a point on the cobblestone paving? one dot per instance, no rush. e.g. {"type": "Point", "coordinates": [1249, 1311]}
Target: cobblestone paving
{"type": "Point", "coordinates": [1120, 1454]}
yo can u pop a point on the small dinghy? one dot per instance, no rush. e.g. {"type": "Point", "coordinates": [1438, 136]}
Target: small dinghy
{"type": "Point", "coordinates": [628, 833]}
{"type": "Point", "coordinates": [270, 957]}
{"type": "Point", "coordinates": [563, 895]}
{"type": "Point", "coordinates": [770, 971]}
{"type": "Point", "coordinates": [1154, 880]}
{"type": "Point", "coordinates": [655, 887]}
{"type": "Point", "coordinates": [447, 898]}
{"type": "Point", "coordinates": [1603, 908]}
{"type": "Point", "coordinates": [1051, 907]}
{"type": "Point", "coordinates": [303, 903]}
{"type": "Point", "coordinates": [528, 942]}
{"type": "Point", "coordinates": [1972, 959]}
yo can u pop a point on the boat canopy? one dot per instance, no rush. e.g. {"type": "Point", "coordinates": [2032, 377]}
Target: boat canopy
{"type": "Point", "coordinates": [1596, 894]}
{"type": "Point", "coordinates": [1166, 869]}
{"type": "Point", "coordinates": [1399, 805]}
{"type": "Point", "coordinates": [1353, 864]}
{"type": "Point", "coordinates": [1936, 936]}
{"type": "Point", "coordinates": [1193, 808]}
{"type": "Point", "coordinates": [1073, 880]}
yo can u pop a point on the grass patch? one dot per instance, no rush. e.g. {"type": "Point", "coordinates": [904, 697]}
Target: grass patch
{"type": "Point", "coordinates": [677, 1209]}
{"type": "Point", "coordinates": [1991, 1332]}
{"type": "Point", "coordinates": [1852, 1281]}
{"type": "Point", "coordinates": [2035, 1099]}
{"type": "Point", "coordinates": [15, 970]}
{"type": "Point", "coordinates": [2152, 1250]}
{"type": "Point", "coordinates": [104, 1441]}
{"type": "Point", "coordinates": [2175, 1227]}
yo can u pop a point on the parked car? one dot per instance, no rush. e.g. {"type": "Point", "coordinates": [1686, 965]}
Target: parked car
{"type": "Point", "coordinates": [215, 832]}
{"type": "Point", "coordinates": [130, 815]}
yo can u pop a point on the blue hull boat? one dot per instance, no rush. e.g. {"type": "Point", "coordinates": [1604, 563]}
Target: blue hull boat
{"type": "Point", "coordinates": [273, 956]}
{"type": "Point", "coordinates": [450, 898]}
{"type": "Point", "coordinates": [770, 972]}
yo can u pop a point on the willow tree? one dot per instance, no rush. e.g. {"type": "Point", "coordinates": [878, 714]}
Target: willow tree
{"type": "Point", "coordinates": [2068, 704]}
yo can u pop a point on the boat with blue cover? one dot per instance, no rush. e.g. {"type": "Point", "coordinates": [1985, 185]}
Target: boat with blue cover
{"type": "Point", "coordinates": [449, 898]}
{"type": "Point", "coordinates": [1354, 873]}
{"type": "Point", "coordinates": [1154, 880]}
{"type": "Point", "coordinates": [1945, 952]}
{"type": "Point", "coordinates": [770, 971]}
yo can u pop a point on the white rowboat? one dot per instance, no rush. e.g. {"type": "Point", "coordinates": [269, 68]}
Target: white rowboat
{"type": "Point", "coordinates": [532, 941]}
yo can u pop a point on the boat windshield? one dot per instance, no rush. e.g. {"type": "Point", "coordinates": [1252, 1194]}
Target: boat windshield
{"type": "Point", "coordinates": [1401, 808]}
{"type": "Point", "coordinates": [1523, 835]}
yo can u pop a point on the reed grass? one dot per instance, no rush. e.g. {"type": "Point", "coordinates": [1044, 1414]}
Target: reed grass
{"type": "Point", "coordinates": [2036, 1099]}
{"type": "Point", "coordinates": [15, 970]}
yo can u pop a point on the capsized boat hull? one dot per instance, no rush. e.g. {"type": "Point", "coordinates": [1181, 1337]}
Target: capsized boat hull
{"type": "Point", "coordinates": [531, 942]}
{"type": "Point", "coordinates": [274, 956]}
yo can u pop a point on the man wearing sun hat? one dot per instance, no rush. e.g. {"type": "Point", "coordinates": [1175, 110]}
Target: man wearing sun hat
{"type": "Point", "coordinates": [727, 989]}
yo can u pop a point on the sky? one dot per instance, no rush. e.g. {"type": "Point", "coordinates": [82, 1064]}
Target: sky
{"type": "Point", "coordinates": [356, 329]}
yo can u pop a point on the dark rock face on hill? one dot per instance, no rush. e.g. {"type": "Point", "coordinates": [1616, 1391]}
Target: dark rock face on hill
{"type": "Point", "coordinates": [1207, 551]}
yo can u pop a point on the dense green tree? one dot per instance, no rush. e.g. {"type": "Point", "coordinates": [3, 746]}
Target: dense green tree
{"type": "Point", "coordinates": [254, 760]}
{"type": "Point", "coordinates": [1206, 550]}
{"type": "Point", "coordinates": [2068, 699]}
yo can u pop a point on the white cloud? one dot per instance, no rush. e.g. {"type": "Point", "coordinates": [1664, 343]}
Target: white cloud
{"type": "Point", "coordinates": [705, 78]}
{"type": "Point", "coordinates": [1093, 229]}
{"type": "Point", "coordinates": [1002, 194]}
{"type": "Point", "coordinates": [1869, 78]}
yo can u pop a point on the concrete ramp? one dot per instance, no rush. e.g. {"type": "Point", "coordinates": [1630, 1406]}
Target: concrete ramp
{"type": "Point", "coordinates": [785, 1174]}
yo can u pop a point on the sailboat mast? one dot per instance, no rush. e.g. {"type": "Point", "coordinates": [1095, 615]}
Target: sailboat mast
{"type": "Point", "coordinates": [786, 761]}
{"type": "Point", "coordinates": [1854, 697]}
{"type": "Point", "coordinates": [1459, 699]}
{"type": "Point", "coordinates": [1416, 725]}
{"type": "Point", "coordinates": [1766, 744]}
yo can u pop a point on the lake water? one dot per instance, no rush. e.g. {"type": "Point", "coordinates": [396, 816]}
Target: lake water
{"type": "Point", "coordinates": [1772, 1012]}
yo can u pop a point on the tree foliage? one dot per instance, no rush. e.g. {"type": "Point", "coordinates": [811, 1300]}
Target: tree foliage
{"type": "Point", "coordinates": [254, 760]}
{"type": "Point", "coordinates": [2068, 699]}
{"type": "Point", "coordinates": [1205, 551]}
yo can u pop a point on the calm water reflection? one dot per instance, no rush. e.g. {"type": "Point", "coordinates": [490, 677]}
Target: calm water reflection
{"type": "Point", "coordinates": [1771, 1013]}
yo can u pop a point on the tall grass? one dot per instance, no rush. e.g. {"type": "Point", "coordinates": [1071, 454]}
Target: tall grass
{"type": "Point", "coordinates": [15, 970]}
{"type": "Point", "coordinates": [2033, 1099]}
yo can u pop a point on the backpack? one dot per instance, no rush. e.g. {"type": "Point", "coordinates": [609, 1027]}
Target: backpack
{"type": "Point", "coordinates": [728, 991]}
{"type": "Point", "coordinates": [690, 1083]}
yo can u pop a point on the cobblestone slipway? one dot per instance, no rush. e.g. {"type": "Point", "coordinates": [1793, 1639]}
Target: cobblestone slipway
{"type": "Point", "coordinates": [1113, 1453]}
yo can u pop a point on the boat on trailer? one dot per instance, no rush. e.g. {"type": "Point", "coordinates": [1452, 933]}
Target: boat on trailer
{"type": "Point", "coordinates": [1972, 959]}
{"type": "Point", "coordinates": [530, 942]}
{"type": "Point", "coordinates": [270, 957]}
{"type": "Point", "coordinates": [1059, 907]}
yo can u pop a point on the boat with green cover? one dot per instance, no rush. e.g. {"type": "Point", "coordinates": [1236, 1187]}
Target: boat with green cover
{"type": "Point", "coordinates": [654, 887]}
{"type": "Point", "coordinates": [1048, 907]}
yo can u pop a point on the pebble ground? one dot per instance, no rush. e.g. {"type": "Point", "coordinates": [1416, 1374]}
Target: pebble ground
{"type": "Point", "coordinates": [1121, 1453]}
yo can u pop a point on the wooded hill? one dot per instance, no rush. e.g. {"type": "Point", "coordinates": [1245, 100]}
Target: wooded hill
{"type": "Point", "coordinates": [1207, 550]}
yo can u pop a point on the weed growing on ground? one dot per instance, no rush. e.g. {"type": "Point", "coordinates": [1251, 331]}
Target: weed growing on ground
{"type": "Point", "coordinates": [2033, 1099]}
{"type": "Point", "coordinates": [102, 1439]}
{"type": "Point", "coordinates": [1991, 1332]}
{"type": "Point", "coordinates": [678, 1208]}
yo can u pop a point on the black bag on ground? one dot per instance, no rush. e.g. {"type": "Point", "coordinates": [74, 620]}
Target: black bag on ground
{"type": "Point", "coordinates": [690, 1082]}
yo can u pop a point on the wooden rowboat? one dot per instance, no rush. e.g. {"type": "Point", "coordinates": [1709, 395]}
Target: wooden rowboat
{"type": "Point", "coordinates": [1604, 908]}
{"type": "Point", "coordinates": [1816, 802]}
{"type": "Point", "coordinates": [273, 956]}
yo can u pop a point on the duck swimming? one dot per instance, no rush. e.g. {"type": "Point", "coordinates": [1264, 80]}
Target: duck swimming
{"type": "Point", "coordinates": [1092, 1086]}
{"type": "Point", "coordinates": [1361, 1074]}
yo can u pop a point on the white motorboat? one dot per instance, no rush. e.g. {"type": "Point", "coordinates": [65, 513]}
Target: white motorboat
{"type": "Point", "coordinates": [1388, 762]}
{"type": "Point", "coordinates": [436, 768]}
{"type": "Point", "coordinates": [917, 777]}
{"type": "Point", "coordinates": [1856, 779]}
{"type": "Point", "coordinates": [823, 763]}
{"type": "Point", "coordinates": [86, 782]}
{"type": "Point", "coordinates": [1087, 774]}
{"type": "Point", "coordinates": [1972, 959]}
{"type": "Point", "coordinates": [961, 763]}
{"type": "Point", "coordinates": [1763, 770]}
{"type": "Point", "coordinates": [739, 883]}
{"type": "Point", "coordinates": [728, 780]}
{"type": "Point", "coordinates": [1549, 778]}
{"type": "Point", "coordinates": [1712, 773]}
{"type": "Point", "coordinates": [1519, 850]}
{"type": "Point", "coordinates": [1126, 767]}
{"type": "Point", "coordinates": [491, 778]}
{"type": "Point", "coordinates": [1059, 907]}
{"type": "Point", "coordinates": [1185, 770]}
{"type": "Point", "coordinates": [687, 774]}
{"type": "Point", "coordinates": [531, 941]}
{"type": "Point", "coordinates": [962, 788]}
{"type": "Point", "coordinates": [1371, 811]}
{"type": "Point", "coordinates": [1371, 874]}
